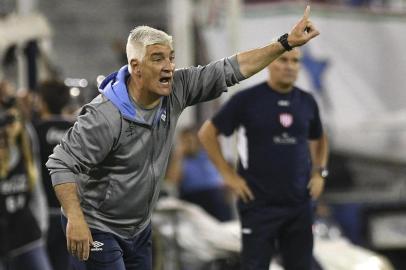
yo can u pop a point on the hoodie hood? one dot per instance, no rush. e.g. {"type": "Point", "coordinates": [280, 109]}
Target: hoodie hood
{"type": "Point", "coordinates": [114, 87]}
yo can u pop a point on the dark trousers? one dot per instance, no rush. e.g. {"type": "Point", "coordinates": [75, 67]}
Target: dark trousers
{"type": "Point", "coordinates": [283, 230]}
{"type": "Point", "coordinates": [112, 252]}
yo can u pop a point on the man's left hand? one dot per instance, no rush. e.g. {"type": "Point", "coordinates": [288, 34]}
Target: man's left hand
{"type": "Point", "coordinates": [316, 186]}
{"type": "Point", "coordinates": [303, 31]}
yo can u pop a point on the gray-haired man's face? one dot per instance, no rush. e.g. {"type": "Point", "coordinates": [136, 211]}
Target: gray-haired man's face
{"type": "Point", "coordinates": [157, 68]}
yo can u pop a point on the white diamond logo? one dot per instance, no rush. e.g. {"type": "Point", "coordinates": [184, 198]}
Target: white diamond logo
{"type": "Point", "coordinates": [97, 246]}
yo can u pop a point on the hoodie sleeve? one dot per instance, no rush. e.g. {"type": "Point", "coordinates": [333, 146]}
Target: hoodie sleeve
{"type": "Point", "coordinates": [84, 146]}
{"type": "Point", "coordinates": [204, 83]}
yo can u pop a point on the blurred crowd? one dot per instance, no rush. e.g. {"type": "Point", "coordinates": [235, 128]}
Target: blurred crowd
{"type": "Point", "coordinates": [31, 124]}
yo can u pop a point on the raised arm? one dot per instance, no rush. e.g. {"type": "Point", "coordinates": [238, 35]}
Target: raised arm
{"type": "Point", "coordinates": [255, 60]}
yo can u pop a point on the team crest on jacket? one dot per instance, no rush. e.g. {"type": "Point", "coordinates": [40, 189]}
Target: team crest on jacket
{"type": "Point", "coordinates": [286, 119]}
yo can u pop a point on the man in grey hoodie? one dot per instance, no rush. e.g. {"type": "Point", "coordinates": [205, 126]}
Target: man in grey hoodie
{"type": "Point", "coordinates": [107, 168]}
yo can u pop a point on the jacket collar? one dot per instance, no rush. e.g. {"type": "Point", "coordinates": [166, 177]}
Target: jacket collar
{"type": "Point", "coordinates": [114, 87]}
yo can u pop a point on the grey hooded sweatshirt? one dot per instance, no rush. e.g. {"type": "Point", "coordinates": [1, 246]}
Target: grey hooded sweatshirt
{"type": "Point", "coordinates": [117, 159]}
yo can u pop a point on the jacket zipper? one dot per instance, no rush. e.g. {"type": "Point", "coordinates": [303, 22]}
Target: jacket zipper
{"type": "Point", "coordinates": [152, 190]}
{"type": "Point", "coordinates": [154, 182]}
{"type": "Point", "coordinates": [155, 124]}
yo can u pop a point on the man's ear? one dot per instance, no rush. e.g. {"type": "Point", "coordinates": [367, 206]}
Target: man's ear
{"type": "Point", "coordinates": [135, 67]}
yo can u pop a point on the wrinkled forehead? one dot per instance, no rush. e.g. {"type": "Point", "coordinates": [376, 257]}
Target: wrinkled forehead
{"type": "Point", "coordinates": [160, 47]}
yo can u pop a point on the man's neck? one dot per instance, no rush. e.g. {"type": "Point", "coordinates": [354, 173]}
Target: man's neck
{"type": "Point", "coordinates": [141, 96]}
{"type": "Point", "coordinates": [280, 88]}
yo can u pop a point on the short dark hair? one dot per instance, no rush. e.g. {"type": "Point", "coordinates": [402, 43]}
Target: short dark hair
{"type": "Point", "coordinates": [55, 94]}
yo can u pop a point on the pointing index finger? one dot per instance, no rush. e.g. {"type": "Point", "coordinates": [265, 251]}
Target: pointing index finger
{"type": "Point", "coordinates": [306, 12]}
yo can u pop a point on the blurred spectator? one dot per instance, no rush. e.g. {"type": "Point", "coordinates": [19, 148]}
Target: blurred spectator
{"type": "Point", "coordinates": [26, 100]}
{"type": "Point", "coordinates": [22, 202]}
{"type": "Point", "coordinates": [198, 180]}
{"type": "Point", "coordinates": [50, 127]}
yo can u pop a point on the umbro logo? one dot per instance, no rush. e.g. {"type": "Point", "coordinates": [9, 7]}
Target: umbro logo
{"type": "Point", "coordinates": [97, 246]}
{"type": "Point", "coordinates": [131, 129]}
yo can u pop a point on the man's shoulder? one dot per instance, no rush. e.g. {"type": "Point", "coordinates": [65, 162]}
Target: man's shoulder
{"type": "Point", "coordinates": [103, 106]}
{"type": "Point", "coordinates": [99, 101]}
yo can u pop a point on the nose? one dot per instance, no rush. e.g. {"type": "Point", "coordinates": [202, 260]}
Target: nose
{"type": "Point", "coordinates": [169, 66]}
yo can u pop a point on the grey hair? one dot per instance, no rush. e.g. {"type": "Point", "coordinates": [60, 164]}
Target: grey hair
{"type": "Point", "coordinates": [142, 36]}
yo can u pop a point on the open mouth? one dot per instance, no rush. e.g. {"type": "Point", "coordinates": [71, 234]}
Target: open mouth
{"type": "Point", "coordinates": [165, 80]}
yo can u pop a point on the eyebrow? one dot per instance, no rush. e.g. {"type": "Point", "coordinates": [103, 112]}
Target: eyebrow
{"type": "Point", "coordinates": [161, 53]}
{"type": "Point", "coordinates": [157, 54]}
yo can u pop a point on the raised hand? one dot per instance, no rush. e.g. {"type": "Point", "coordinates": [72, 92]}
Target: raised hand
{"type": "Point", "coordinates": [303, 31]}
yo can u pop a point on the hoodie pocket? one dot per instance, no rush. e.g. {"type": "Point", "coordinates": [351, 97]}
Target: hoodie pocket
{"type": "Point", "coordinates": [95, 191]}
{"type": "Point", "coordinates": [125, 200]}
